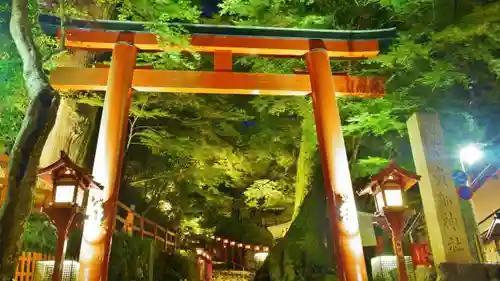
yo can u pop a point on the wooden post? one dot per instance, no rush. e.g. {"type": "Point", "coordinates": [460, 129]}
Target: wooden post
{"type": "Point", "coordinates": [209, 270]}
{"type": "Point", "coordinates": [98, 231]}
{"type": "Point", "coordinates": [225, 255]}
{"type": "Point", "coordinates": [142, 227]}
{"type": "Point", "coordinates": [397, 221]}
{"type": "Point", "coordinates": [232, 257]}
{"type": "Point", "coordinates": [337, 180]}
{"type": "Point", "coordinates": [151, 264]}
{"type": "Point", "coordinates": [62, 234]}
{"type": "Point", "coordinates": [129, 223]}
{"type": "Point", "coordinates": [241, 256]}
{"type": "Point", "coordinates": [166, 239]}
{"type": "Point", "coordinates": [223, 61]}
{"type": "Point", "coordinates": [4, 173]}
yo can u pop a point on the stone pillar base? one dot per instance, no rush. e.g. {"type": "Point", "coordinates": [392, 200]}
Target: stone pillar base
{"type": "Point", "coordinates": [469, 272]}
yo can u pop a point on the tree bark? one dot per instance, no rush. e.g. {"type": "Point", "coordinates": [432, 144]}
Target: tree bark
{"type": "Point", "coordinates": [72, 133]}
{"type": "Point", "coordinates": [25, 154]}
{"type": "Point", "coordinates": [304, 252]}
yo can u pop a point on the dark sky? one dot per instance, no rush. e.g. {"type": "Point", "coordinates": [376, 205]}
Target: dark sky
{"type": "Point", "coordinates": [209, 7]}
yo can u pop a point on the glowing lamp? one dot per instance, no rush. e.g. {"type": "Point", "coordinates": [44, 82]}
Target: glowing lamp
{"type": "Point", "coordinates": [247, 246]}
{"type": "Point", "coordinates": [260, 257]}
{"type": "Point", "coordinates": [240, 245]}
{"type": "Point", "coordinates": [471, 154]}
{"type": "Point", "coordinates": [389, 186]}
{"type": "Point", "coordinates": [68, 181]}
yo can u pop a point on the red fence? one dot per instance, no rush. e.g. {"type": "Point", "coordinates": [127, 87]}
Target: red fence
{"type": "Point", "coordinates": [136, 224]}
{"type": "Point", "coordinates": [25, 270]}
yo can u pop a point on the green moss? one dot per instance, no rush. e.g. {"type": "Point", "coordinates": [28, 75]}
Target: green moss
{"type": "Point", "coordinates": [303, 254]}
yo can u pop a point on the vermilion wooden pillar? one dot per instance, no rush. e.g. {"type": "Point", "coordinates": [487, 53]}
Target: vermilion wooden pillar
{"type": "Point", "coordinates": [209, 270]}
{"type": "Point", "coordinates": [397, 220]}
{"type": "Point", "coordinates": [96, 242]}
{"type": "Point", "coordinates": [337, 180]}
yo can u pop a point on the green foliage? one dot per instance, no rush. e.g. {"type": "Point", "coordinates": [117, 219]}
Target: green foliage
{"type": "Point", "coordinates": [175, 267]}
{"type": "Point", "coordinates": [369, 166]}
{"type": "Point", "coordinates": [228, 275]}
{"type": "Point", "coordinates": [39, 235]}
{"type": "Point", "coordinates": [12, 93]}
{"type": "Point", "coordinates": [130, 260]}
{"type": "Point", "coordinates": [264, 194]}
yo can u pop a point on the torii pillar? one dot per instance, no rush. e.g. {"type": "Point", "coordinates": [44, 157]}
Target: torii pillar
{"type": "Point", "coordinates": [100, 224]}
{"type": "Point", "coordinates": [339, 194]}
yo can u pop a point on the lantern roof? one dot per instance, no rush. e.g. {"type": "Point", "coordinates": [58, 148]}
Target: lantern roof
{"type": "Point", "coordinates": [61, 165]}
{"type": "Point", "coordinates": [392, 172]}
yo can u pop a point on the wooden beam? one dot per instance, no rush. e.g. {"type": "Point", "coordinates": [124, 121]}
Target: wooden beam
{"type": "Point", "coordinates": [104, 40]}
{"type": "Point", "coordinates": [146, 80]}
{"type": "Point", "coordinates": [223, 61]}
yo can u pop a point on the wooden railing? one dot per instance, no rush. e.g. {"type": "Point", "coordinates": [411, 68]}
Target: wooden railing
{"type": "Point", "coordinates": [25, 270]}
{"type": "Point", "coordinates": [136, 224]}
{"type": "Point", "coordinates": [3, 176]}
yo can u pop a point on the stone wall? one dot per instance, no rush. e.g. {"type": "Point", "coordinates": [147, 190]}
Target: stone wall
{"type": "Point", "coordinates": [469, 272]}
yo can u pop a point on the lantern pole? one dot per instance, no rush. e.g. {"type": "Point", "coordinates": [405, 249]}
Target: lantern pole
{"type": "Point", "coordinates": [397, 219]}
{"type": "Point", "coordinates": [64, 219]}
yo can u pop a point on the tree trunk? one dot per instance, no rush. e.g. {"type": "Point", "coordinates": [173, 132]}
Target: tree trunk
{"type": "Point", "coordinates": [307, 149]}
{"type": "Point", "coordinates": [76, 122]}
{"type": "Point", "coordinates": [25, 154]}
{"type": "Point", "coordinates": [304, 252]}
{"type": "Point", "coordinates": [72, 133]}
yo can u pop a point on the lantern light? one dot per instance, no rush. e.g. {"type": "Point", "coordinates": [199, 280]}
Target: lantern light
{"type": "Point", "coordinates": [69, 182]}
{"type": "Point", "coordinates": [240, 245]}
{"type": "Point", "coordinates": [388, 187]}
{"type": "Point", "coordinates": [260, 257]}
{"type": "Point", "coordinates": [217, 239]}
{"type": "Point", "coordinates": [199, 251]}
{"type": "Point", "coordinates": [232, 243]}
{"type": "Point", "coordinates": [226, 241]}
{"type": "Point", "coordinates": [265, 249]}
{"type": "Point", "coordinates": [257, 248]}
{"type": "Point", "coordinates": [247, 246]}
{"type": "Point", "coordinates": [471, 154]}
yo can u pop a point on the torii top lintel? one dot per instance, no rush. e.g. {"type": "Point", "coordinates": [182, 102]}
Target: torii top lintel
{"type": "Point", "coordinates": [102, 35]}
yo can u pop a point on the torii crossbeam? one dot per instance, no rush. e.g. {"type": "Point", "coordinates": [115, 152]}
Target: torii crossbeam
{"type": "Point", "coordinates": [125, 39]}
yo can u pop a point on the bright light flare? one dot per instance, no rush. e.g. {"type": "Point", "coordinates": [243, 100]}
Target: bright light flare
{"type": "Point", "coordinates": [471, 154]}
{"type": "Point", "coordinates": [260, 257]}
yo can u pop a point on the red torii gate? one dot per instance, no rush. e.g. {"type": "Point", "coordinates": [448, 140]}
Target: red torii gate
{"type": "Point", "coordinates": [126, 39]}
